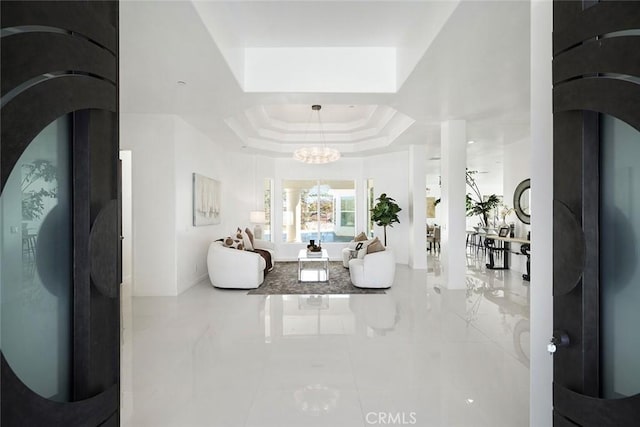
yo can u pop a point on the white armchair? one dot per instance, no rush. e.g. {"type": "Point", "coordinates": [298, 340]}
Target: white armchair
{"type": "Point", "coordinates": [237, 269]}
{"type": "Point", "coordinates": [375, 270]}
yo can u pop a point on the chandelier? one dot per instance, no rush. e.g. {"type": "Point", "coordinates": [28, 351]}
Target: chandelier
{"type": "Point", "coordinates": [317, 155]}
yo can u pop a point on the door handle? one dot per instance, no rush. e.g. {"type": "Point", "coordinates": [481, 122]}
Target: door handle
{"type": "Point", "coordinates": [559, 339]}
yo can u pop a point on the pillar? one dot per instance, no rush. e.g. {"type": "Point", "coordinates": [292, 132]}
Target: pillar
{"type": "Point", "coordinates": [417, 207]}
{"type": "Point", "coordinates": [453, 163]}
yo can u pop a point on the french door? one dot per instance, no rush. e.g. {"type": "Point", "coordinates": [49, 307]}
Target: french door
{"type": "Point", "coordinates": [596, 103]}
{"type": "Point", "coordinates": [59, 214]}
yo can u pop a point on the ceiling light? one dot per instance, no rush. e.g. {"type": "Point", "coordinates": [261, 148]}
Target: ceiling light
{"type": "Point", "coordinates": [319, 154]}
{"type": "Point", "coordinates": [471, 142]}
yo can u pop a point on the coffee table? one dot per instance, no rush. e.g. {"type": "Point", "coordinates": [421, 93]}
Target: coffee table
{"type": "Point", "coordinates": [313, 268]}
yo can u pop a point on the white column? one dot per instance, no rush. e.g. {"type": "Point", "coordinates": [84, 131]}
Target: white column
{"type": "Point", "coordinates": [541, 363]}
{"type": "Point", "coordinates": [292, 223]}
{"type": "Point", "coordinates": [417, 207]}
{"type": "Point", "coordinates": [453, 163]}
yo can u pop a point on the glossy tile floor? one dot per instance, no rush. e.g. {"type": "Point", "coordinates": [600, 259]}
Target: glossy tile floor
{"type": "Point", "coordinates": [420, 355]}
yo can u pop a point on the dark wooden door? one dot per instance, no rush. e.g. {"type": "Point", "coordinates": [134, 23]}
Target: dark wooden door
{"type": "Point", "coordinates": [60, 276]}
{"type": "Point", "coordinates": [596, 314]}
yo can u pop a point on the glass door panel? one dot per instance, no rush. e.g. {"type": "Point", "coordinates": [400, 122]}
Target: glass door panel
{"type": "Point", "coordinates": [619, 257]}
{"type": "Point", "coordinates": [36, 258]}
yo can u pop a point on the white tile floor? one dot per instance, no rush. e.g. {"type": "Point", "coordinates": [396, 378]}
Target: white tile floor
{"type": "Point", "coordinates": [420, 355]}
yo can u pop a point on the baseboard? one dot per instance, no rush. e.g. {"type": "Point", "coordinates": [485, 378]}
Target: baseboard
{"type": "Point", "coordinates": [195, 282]}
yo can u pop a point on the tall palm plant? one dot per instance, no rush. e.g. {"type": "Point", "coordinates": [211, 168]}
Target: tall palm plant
{"type": "Point", "coordinates": [385, 213]}
{"type": "Point", "coordinates": [476, 204]}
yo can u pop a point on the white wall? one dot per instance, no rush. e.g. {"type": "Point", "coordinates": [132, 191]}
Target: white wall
{"type": "Point", "coordinates": [195, 152]}
{"type": "Point", "coordinates": [150, 138]}
{"type": "Point", "coordinates": [169, 252]}
{"type": "Point", "coordinates": [390, 174]}
{"type": "Point", "coordinates": [517, 168]}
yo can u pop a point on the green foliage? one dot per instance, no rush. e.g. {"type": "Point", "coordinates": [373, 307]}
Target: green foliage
{"type": "Point", "coordinates": [385, 213]}
{"type": "Point", "coordinates": [475, 203]}
{"type": "Point", "coordinates": [33, 200]}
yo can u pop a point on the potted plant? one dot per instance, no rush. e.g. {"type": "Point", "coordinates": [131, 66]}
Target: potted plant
{"type": "Point", "coordinates": [478, 205]}
{"type": "Point", "coordinates": [385, 213]}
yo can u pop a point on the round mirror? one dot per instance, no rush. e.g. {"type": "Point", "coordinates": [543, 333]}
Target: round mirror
{"type": "Point", "coordinates": [522, 201]}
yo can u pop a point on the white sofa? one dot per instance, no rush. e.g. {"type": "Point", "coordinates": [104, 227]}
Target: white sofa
{"type": "Point", "coordinates": [375, 270]}
{"type": "Point", "coordinates": [346, 256]}
{"type": "Point", "coordinates": [237, 269]}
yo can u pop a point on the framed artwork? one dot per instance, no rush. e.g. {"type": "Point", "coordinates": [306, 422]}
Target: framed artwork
{"type": "Point", "coordinates": [206, 200]}
{"type": "Point", "coordinates": [504, 232]}
{"type": "Point", "coordinates": [431, 207]}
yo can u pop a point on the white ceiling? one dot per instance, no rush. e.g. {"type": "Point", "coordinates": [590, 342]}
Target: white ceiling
{"type": "Point", "coordinates": [319, 23]}
{"type": "Point", "coordinates": [475, 67]}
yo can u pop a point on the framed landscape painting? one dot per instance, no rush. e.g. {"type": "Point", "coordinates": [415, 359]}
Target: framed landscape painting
{"type": "Point", "coordinates": [206, 200]}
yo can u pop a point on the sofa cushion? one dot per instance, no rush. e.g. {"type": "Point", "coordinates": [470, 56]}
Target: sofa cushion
{"type": "Point", "coordinates": [360, 237]}
{"type": "Point", "coordinates": [362, 250]}
{"type": "Point", "coordinates": [246, 242]}
{"type": "Point", "coordinates": [250, 234]}
{"type": "Point", "coordinates": [233, 243]}
{"type": "Point", "coordinates": [375, 246]}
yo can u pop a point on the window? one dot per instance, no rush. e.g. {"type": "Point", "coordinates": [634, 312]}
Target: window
{"type": "Point", "coordinates": [321, 210]}
{"type": "Point", "coordinates": [371, 199]}
{"type": "Point", "coordinates": [266, 229]}
{"type": "Point", "coordinates": [348, 211]}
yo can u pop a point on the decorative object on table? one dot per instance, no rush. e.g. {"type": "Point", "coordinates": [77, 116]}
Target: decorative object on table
{"type": "Point", "coordinates": [504, 213]}
{"type": "Point", "coordinates": [476, 203]}
{"type": "Point", "coordinates": [522, 201]}
{"type": "Point", "coordinates": [257, 218]}
{"type": "Point", "coordinates": [313, 249]}
{"type": "Point", "coordinates": [206, 200]}
{"type": "Point", "coordinates": [512, 229]}
{"type": "Point", "coordinates": [504, 231]}
{"type": "Point", "coordinates": [283, 280]}
{"type": "Point", "coordinates": [318, 154]}
{"type": "Point", "coordinates": [385, 213]}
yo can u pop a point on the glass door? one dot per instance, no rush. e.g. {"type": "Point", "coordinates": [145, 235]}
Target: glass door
{"type": "Point", "coordinates": [37, 256]}
{"type": "Point", "coordinates": [619, 257]}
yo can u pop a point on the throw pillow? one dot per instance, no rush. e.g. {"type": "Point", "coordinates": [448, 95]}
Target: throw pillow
{"type": "Point", "coordinates": [375, 246]}
{"type": "Point", "coordinates": [362, 251]}
{"type": "Point", "coordinates": [244, 238]}
{"type": "Point", "coordinates": [232, 243]}
{"type": "Point", "coordinates": [250, 234]}
{"type": "Point", "coordinates": [360, 237]}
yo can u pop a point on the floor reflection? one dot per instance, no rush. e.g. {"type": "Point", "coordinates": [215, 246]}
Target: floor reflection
{"type": "Point", "coordinates": [224, 358]}
{"type": "Point", "coordinates": [287, 316]}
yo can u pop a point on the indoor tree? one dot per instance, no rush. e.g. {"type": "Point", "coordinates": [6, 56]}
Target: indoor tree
{"type": "Point", "coordinates": [385, 213]}
{"type": "Point", "coordinates": [475, 203]}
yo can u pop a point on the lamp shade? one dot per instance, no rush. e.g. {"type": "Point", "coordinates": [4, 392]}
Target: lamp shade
{"type": "Point", "coordinates": [257, 217]}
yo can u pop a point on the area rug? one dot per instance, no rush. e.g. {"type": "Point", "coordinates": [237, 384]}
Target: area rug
{"type": "Point", "coordinates": [283, 280]}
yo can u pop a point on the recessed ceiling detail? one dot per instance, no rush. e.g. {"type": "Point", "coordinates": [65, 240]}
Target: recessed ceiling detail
{"type": "Point", "coordinates": [350, 129]}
